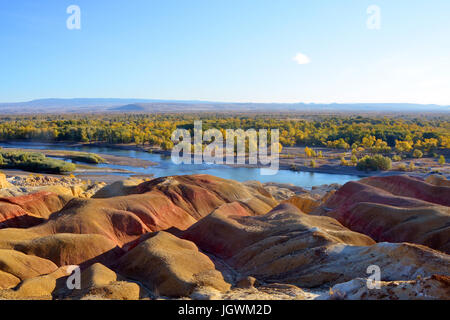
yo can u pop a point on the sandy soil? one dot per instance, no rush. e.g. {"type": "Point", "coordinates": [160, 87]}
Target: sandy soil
{"type": "Point", "coordinates": [107, 178]}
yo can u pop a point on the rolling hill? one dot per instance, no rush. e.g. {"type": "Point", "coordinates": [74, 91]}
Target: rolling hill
{"type": "Point", "coordinates": [92, 105]}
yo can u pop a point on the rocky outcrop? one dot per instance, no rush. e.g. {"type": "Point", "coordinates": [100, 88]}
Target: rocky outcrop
{"type": "Point", "coordinates": [40, 287]}
{"type": "Point", "coordinates": [117, 290]}
{"type": "Point", "coordinates": [280, 191]}
{"type": "Point", "coordinates": [159, 204]}
{"type": "Point", "coordinates": [305, 203]}
{"type": "Point", "coordinates": [99, 282]}
{"type": "Point", "coordinates": [394, 209]}
{"type": "Point", "coordinates": [89, 191]}
{"type": "Point", "coordinates": [116, 219]}
{"type": "Point", "coordinates": [200, 194]}
{"type": "Point", "coordinates": [406, 186]}
{"type": "Point", "coordinates": [202, 237]}
{"type": "Point", "coordinates": [276, 291]}
{"type": "Point", "coordinates": [170, 266]}
{"type": "Point", "coordinates": [28, 210]}
{"type": "Point", "coordinates": [68, 249]}
{"type": "Point", "coordinates": [42, 203]}
{"type": "Point", "coordinates": [3, 182]}
{"type": "Point", "coordinates": [435, 287]}
{"type": "Point", "coordinates": [24, 266]}
{"type": "Point", "coordinates": [13, 216]}
{"type": "Point", "coordinates": [438, 180]}
{"type": "Point", "coordinates": [97, 275]}
{"type": "Point", "coordinates": [68, 186]}
{"type": "Point", "coordinates": [119, 188]}
{"type": "Point", "coordinates": [7, 280]}
{"type": "Point", "coordinates": [289, 246]}
{"type": "Point", "coordinates": [85, 191]}
{"type": "Point", "coordinates": [225, 235]}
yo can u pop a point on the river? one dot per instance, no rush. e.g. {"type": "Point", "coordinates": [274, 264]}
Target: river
{"type": "Point", "coordinates": [166, 167]}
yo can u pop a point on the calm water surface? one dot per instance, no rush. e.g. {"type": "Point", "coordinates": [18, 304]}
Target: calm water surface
{"type": "Point", "coordinates": [166, 167]}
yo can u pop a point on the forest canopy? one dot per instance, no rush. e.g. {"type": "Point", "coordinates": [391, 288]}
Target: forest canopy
{"type": "Point", "coordinates": [379, 134]}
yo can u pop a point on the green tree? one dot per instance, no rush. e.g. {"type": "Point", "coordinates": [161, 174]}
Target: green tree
{"type": "Point", "coordinates": [373, 163]}
{"type": "Point", "coordinates": [417, 154]}
{"type": "Point", "coordinates": [167, 145]}
{"type": "Point", "coordinates": [403, 146]}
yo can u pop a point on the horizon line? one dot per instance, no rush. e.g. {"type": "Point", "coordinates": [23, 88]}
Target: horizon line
{"type": "Point", "coordinates": [155, 100]}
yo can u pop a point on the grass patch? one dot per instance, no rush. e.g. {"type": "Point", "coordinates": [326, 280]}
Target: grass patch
{"type": "Point", "coordinates": [34, 162]}
{"type": "Point", "coordinates": [91, 158]}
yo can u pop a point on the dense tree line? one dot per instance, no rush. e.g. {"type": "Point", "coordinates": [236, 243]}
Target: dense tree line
{"type": "Point", "coordinates": [370, 133]}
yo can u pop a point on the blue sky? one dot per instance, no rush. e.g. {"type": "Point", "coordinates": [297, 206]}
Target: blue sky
{"type": "Point", "coordinates": [227, 50]}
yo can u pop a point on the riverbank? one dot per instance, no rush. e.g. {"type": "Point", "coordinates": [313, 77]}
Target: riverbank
{"type": "Point", "coordinates": [109, 159]}
{"type": "Point", "coordinates": [293, 158]}
{"type": "Point", "coordinates": [87, 177]}
{"type": "Point", "coordinates": [327, 170]}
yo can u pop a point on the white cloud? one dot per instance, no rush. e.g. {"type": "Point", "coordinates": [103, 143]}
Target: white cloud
{"type": "Point", "coordinates": [301, 58]}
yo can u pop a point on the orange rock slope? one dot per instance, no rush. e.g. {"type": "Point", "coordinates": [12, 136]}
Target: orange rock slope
{"type": "Point", "coordinates": [156, 205]}
{"type": "Point", "coordinates": [28, 210]}
{"type": "Point", "coordinates": [152, 206]}
{"type": "Point", "coordinates": [200, 236]}
{"type": "Point", "coordinates": [394, 209]}
{"type": "Point", "coordinates": [289, 246]}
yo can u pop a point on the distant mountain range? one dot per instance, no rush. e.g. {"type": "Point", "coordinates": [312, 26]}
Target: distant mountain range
{"type": "Point", "coordinates": [82, 105]}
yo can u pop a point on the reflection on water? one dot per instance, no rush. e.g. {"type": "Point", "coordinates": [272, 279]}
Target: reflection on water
{"type": "Point", "coordinates": [165, 167]}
